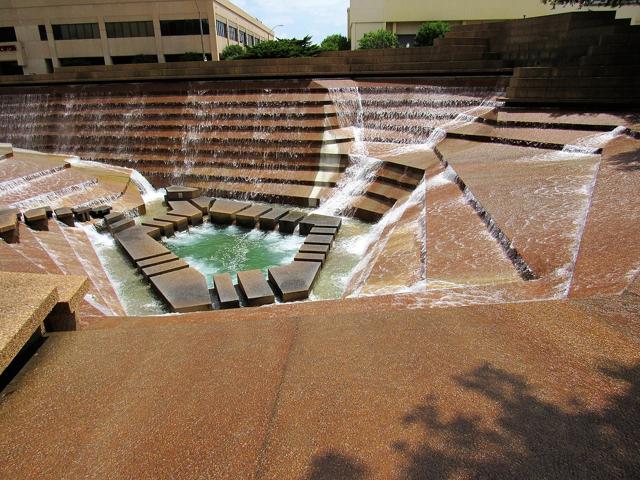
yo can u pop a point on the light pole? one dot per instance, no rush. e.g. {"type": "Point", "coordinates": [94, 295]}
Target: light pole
{"type": "Point", "coordinates": [204, 56]}
{"type": "Point", "coordinates": [273, 29]}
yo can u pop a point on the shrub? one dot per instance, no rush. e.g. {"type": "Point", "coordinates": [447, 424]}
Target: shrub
{"type": "Point", "coordinates": [232, 52]}
{"type": "Point", "coordinates": [378, 39]}
{"type": "Point", "coordinates": [283, 48]}
{"type": "Point", "coordinates": [429, 32]}
{"type": "Point", "coordinates": [335, 42]}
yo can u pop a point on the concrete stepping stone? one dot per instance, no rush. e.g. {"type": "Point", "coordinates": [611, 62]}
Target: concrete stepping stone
{"type": "Point", "coordinates": [314, 248]}
{"type": "Point", "coordinates": [256, 288]}
{"type": "Point", "coordinates": [179, 223]}
{"type": "Point", "coordinates": [138, 245]}
{"type": "Point", "coordinates": [249, 217]}
{"type": "Point", "coordinates": [161, 268]}
{"type": "Point", "coordinates": [224, 211]}
{"type": "Point", "coordinates": [100, 211]}
{"type": "Point", "coordinates": [294, 281]}
{"type": "Point", "coordinates": [65, 215]}
{"type": "Point", "coordinates": [83, 214]}
{"type": "Point", "coordinates": [37, 219]}
{"type": "Point", "coordinates": [226, 291]}
{"type": "Point", "coordinates": [202, 203]}
{"type": "Point", "coordinates": [12, 211]}
{"type": "Point", "coordinates": [316, 220]}
{"type": "Point", "coordinates": [178, 192]}
{"type": "Point", "coordinates": [121, 225]}
{"type": "Point", "coordinates": [153, 232]}
{"type": "Point", "coordinates": [150, 262]}
{"type": "Point", "coordinates": [165, 227]}
{"type": "Point", "coordinates": [9, 231]}
{"type": "Point", "coordinates": [49, 211]}
{"type": "Point", "coordinates": [309, 257]}
{"type": "Point", "coordinates": [323, 231]}
{"type": "Point", "coordinates": [319, 240]}
{"type": "Point", "coordinates": [289, 222]}
{"type": "Point", "coordinates": [187, 210]}
{"type": "Point", "coordinates": [113, 217]}
{"type": "Point", "coordinates": [183, 290]}
{"type": "Point", "coordinates": [269, 220]}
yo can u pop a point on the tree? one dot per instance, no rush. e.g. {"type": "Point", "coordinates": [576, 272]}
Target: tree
{"type": "Point", "coordinates": [378, 39]}
{"type": "Point", "coordinates": [335, 42]}
{"type": "Point", "coordinates": [591, 3]}
{"type": "Point", "coordinates": [429, 31]}
{"type": "Point", "coordinates": [283, 48]}
{"type": "Point", "coordinates": [232, 52]}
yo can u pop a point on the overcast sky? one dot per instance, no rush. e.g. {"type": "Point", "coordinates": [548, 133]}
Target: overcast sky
{"type": "Point", "coordinates": [317, 18]}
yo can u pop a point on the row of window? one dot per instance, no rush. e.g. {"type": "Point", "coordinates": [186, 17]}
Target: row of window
{"type": "Point", "coordinates": [237, 36]}
{"type": "Point", "coordinates": [82, 31]}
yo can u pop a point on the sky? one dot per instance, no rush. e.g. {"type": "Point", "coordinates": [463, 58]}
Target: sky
{"type": "Point", "coordinates": [318, 18]}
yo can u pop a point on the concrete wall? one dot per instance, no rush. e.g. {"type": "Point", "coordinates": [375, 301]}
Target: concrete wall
{"type": "Point", "coordinates": [405, 17]}
{"type": "Point", "coordinates": [31, 52]}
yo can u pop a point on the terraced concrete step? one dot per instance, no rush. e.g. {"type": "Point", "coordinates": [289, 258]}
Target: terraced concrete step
{"type": "Point", "coordinates": [183, 290]}
{"type": "Point", "coordinates": [255, 288]}
{"type": "Point", "coordinates": [165, 227]}
{"type": "Point", "coordinates": [250, 216]}
{"type": "Point", "coordinates": [225, 211]}
{"type": "Point", "coordinates": [270, 219]}
{"type": "Point", "coordinates": [226, 291]}
{"type": "Point", "coordinates": [150, 262]}
{"type": "Point", "coordinates": [165, 267]}
{"type": "Point", "coordinates": [186, 210]}
{"type": "Point", "coordinates": [138, 245]}
{"type": "Point", "coordinates": [303, 195]}
{"type": "Point", "coordinates": [179, 223]}
{"type": "Point", "coordinates": [294, 281]}
{"type": "Point", "coordinates": [369, 209]}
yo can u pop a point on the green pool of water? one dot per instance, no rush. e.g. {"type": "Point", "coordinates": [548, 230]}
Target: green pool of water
{"type": "Point", "coordinates": [213, 249]}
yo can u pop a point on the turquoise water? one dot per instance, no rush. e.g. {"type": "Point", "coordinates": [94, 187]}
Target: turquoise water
{"type": "Point", "coordinates": [213, 249]}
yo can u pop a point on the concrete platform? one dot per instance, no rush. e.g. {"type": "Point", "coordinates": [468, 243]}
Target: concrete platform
{"type": "Point", "coordinates": [255, 288]}
{"type": "Point", "coordinates": [319, 240]}
{"type": "Point", "coordinates": [315, 220]}
{"type": "Point", "coordinates": [249, 217]}
{"type": "Point", "coordinates": [121, 225]}
{"type": "Point", "coordinates": [179, 223]}
{"type": "Point", "coordinates": [226, 291]}
{"type": "Point", "coordinates": [113, 217]}
{"type": "Point", "coordinates": [100, 211]}
{"type": "Point", "coordinates": [323, 231]}
{"type": "Point", "coordinates": [294, 281]}
{"type": "Point", "coordinates": [203, 203]}
{"type": "Point", "coordinates": [65, 215]}
{"type": "Point", "coordinates": [139, 245]}
{"type": "Point", "coordinates": [11, 211]}
{"type": "Point", "coordinates": [184, 290]}
{"type": "Point", "coordinates": [269, 220]}
{"type": "Point", "coordinates": [187, 210]}
{"type": "Point", "coordinates": [37, 219]}
{"type": "Point", "coordinates": [224, 211]}
{"type": "Point", "coordinates": [150, 262]}
{"type": "Point", "coordinates": [310, 257]}
{"type": "Point", "coordinates": [153, 232]}
{"type": "Point", "coordinates": [9, 231]}
{"type": "Point", "coordinates": [289, 222]}
{"type": "Point", "coordinates": [313, 248]}
{"type": "Point", "coordinates": [165, 227]}
{"type": "Point", "coordinates": [178, 192]}
{"type": "Point", "coordinates": [164, 267]}
{"type": "Point", "coordinates": [82, 214]}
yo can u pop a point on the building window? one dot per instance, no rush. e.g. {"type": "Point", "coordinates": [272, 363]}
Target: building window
{"type": "Point", "coordinates": [76, 31]}
{"type": "Point", "coordinates": [129, 29]}
{"type": "Point", "coordinates": [185, 57]}
{"type": "Point", "coordinates": [43, 33]}
{"type": "Point", "coordinates": [124, 59]}
{"type": "Point", "coordinates": [221, 28]}
{"type": "Point", "coordinates": [243, 37]}
{"type": "Point", "coordinates": [7, 34]}
{"type": "Point", "coordinates": [170, 28]}
{"type": "Point", "coordinates": [49, 63]}
{"type": "Point", "coordinates": [10, 68]}
{"type": "Point", "coordinates": [81, 61]}
{"type": "Point", "coordinates": [233, 33]}
{"type": "Point", "coordinates": [250, 40]}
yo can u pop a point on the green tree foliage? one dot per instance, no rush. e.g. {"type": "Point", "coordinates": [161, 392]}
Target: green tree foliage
{"type": "Point", "coordinates": [429, 31]}
{"type": "Point", "coordinates": [232, 52]}
{"type": "Point", "coordinates": [283, 48]}
{"type": "Point", "coordinates": [591, 3]}
{"type": "Point", "coordinates": [378, 39]}
{"type": "Point", "coordinates": [335, 42]}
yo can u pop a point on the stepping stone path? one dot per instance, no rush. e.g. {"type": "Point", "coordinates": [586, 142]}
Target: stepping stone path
{"type": "Point", "coordinates": [255, 288]}
{"type": "Point", "coordinates": [164, 268]}
{"type": "Point", "coordinates": [165, 227]}
{"type": "Point", "coordinates": [186, 210]}
{"type": "Point", "coordinates": [183, 290]}
{"type": "Point", "coordinates": [150, 262]}
{"type": "Point", "coordinates": [100, 211]}
{"type": "Point", "coordinates": [315, 220]}
{"type": "Point", "coordinates": [202, 203]}
{"type": "Point", "coordinates": [294, 281]}
{"type": "Point", "coordinates": [289, 222]}
{"type": "Point", "coordinates": [249, 217]}
{"type": "Point", "coordinates": [226, 291]}
{"type": "Point", "coordinates": [65, 215]}
{"type": "Point", "coordinates": [83, 214]}
{"type": "Point", "coordinates": [37, 219]}
{"type": "Point", "coordinates": [179, 223]}
{"type": "Point", "coordinates": [224, 211]}
{"type": "Point", "coordinates": [177, 192]}
{"type": "Point", "coordinates": [9, 231]}
{"type": "Point", "coordinates": [269, 220]}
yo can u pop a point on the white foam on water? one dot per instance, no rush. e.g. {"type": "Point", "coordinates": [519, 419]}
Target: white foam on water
{"type": "Point", "coordinates": [148, 191]}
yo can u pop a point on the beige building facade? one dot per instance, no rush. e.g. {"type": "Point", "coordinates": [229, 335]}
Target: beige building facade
{"type": "Point", "coordinates": [405, 17]}
{"type": "Point", "coordinates": [37, 36]}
